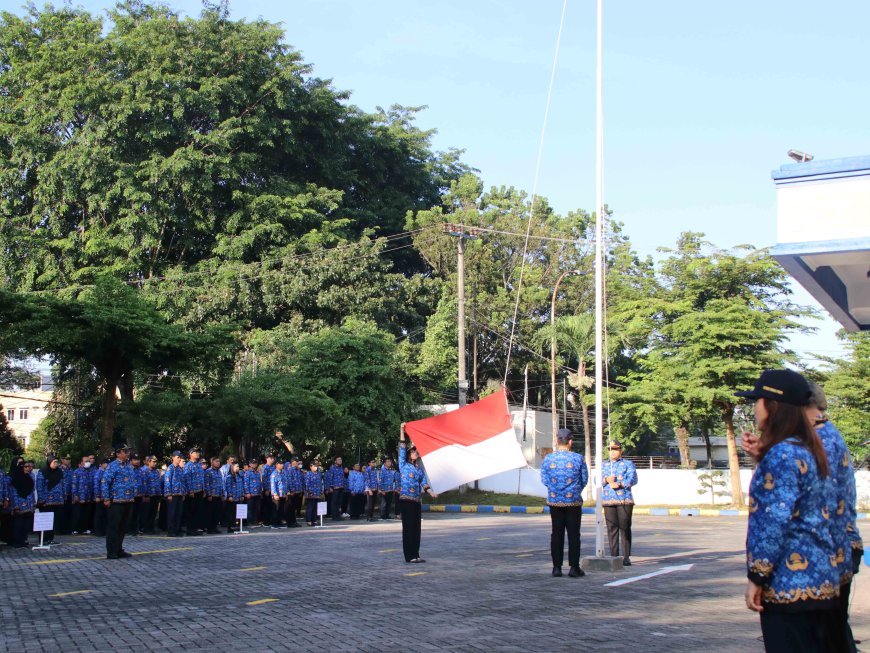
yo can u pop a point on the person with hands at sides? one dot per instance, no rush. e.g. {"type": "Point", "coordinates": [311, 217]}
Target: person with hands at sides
{"type": "Point", "coordinates": [413, 483]}
{"type": "Point", "coordinates": [564, 474]}
{"type": "Point", "coordinates": [119, 491]}
{"type": "Point", "coordinates": [793, 579]}
{"type": "Point", "coordinates": [234, 491]}
{"type": "Point", "coordinates": [619, 476]}
{"type": "Point", "coordinates": [313, 492]}
{"type": "Point", "coordinates": [174, 491]}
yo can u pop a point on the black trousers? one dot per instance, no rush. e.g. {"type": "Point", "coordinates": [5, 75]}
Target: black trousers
{"type": "Point", "coordinates": [174, 513]}
{"type": "Point", "coordinates": [371, 500]}
{"type": "Point", "coordinates": [253, 509]}
{"type": "Point", "coordinates": [292, 505]}
{"type": "Point", "coordinates": [213, 511]}
{"type": "Point", "coordinates": [337, 496]}
{"type": "Point", "coordinates": [618, 520]}
{"type": "Point", "coordinates": [21, 524]}
{"type": "Point", "coordinates": [229, 516]}
{"type": "Point", "coordinates": [843, 640]}
{"type": "Point", "coordinates": [58, 511]}
{"type": "Point", "coordinates": [194, 512]}
{"type": "Point", "coordinates": [82, 516]}
{"type": "Point", "coordinates": [133, 522]}
{"type": "Point", "coordinates": [311, 510]}
{"type": "Point", "coordinates": [99, 519]}
{"type": "Point", "coordinates": [147, 514]}
{"type": "Point", "coordinates": [356, 503]}
{"type": "Point", "coordinates": [116, 527]}
{"type": "Point", "coordinates": [798, 632]}
{"type": "Point", "coordinates": [562, 519]}
{"type": "Point", "coordinates": [267, 509]}
{"type": "Point", "coordinates": [277, 511]}
{"type": "Point", "coordinates": [6, 527]}
{"type": "Point", "coordinates": [66, 522]}
{"type": "Point", "coordinates": [412, 518]}
{"type": "Point", "coordinates": [345, 501]}
{"type": "Point", "coordinates": [386, 504]}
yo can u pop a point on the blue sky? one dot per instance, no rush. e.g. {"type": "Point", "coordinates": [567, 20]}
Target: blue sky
{"type": "Point", "coordinates": [702, 99]}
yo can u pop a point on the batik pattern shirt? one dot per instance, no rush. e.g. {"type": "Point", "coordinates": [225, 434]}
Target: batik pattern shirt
{"type": "Point", "coordinates": [67, 481]}
{"type": "Point", "coordinates": [119, 483]}
{"type": "Point", "coordinates": [412, 478]}
{"type": "Point", "coordinates": [18, 503]}
{"type": "Point", "coordinates": [626, 475]}
{"type": "Point", "coordinates": [389, 480]}
{"type": "Point", "coordinates": [214, 486]}
{"type": "Point", "coordinates": [789, 545]}
{"type": "Point", "coordinates": [194, 477]}
{"type": "Point", "coordinates": [150, 482]}
{"type": "Point", "coordinates": [356, 482]}
{"type": "Point", "coordinates": [267, 471]}
{"type": "Point", "coordinates": [295, 479]}
{"type": "Point", "coordinates": [83, 484]}
{"type": "Point", "coordinates": [50, 497]}
{"type": "Point", "coordinates": [234, 486]}
{"type": "Point", "coordinates": [98, 484]}
{"type": "Point", "coordinates": [334, 478]}
{"type": "Point", "coordinates": [278, 484]}
{"type": "Point", "coordinates": [565, 475]}
{"type": "Point", "coordinates": [253, 482]}
{"type": "Point", "coordinates": [847, 539]}
{"type": "Point", "coordinates": [174, 483]}
{"type": "Point", "coordinates": [370, 474]}
{"type": "Point", "coordinates": [314, 485]}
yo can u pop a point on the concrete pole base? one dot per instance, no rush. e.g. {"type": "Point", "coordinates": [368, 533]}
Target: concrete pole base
{"type": "Point", "coordinates": [604, 563]}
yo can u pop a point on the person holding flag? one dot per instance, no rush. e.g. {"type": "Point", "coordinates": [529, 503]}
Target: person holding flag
{"type": "Point", "coordinates": [413, 484]}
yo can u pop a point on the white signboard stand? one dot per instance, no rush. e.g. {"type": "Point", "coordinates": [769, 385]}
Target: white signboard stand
{"type": "Point", "coordinates": [321, 510]}
{"type": "Point", "coordinates": [242, 515]}
{"type": "Point", "coordinates": [43, 521]}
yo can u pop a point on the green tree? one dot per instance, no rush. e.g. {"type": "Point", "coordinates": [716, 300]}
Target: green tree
{"type": "Point", "coordinates": [848, 392]}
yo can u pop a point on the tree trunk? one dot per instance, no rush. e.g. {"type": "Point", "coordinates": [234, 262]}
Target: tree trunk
{"type": "Point", "coordinates": [709, 447]}
{"type": "Point", "coordinates": [110, 402]}
{"type": "Point", "coordinates": [682, 435]}
{"type": "Point", "coordinates": [733, 461]}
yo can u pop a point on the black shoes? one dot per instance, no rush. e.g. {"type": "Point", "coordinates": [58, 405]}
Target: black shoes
{"type": "Point", "coordinates": [626, 562]}
{"type": "Point", "coordinates": [417, 560]}
{"type": "Point", "coordinates": [576, 572]}
{"type": "Point", "coordinates": [557, 571]}
{"type": "Point", "coordinates": [124, 554]}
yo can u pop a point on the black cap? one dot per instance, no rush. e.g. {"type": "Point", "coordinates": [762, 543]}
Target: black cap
{"type": "Point", "coordinates": [196, 449]}
{"type": "Point", "coordinates": [615, 445]}
{"type": "Point", "coordinates": [563, 435]}
{"type": "Point", "coordinates": [253, 461]}
{"type": "Point", "coordinates": [121, 447]}
{"type": "Point", "coordinates": [176, 453]}
{"type": "Point", "coordinates": [134, 456]}
{"type": "Point", "coordinates": [786, 386]}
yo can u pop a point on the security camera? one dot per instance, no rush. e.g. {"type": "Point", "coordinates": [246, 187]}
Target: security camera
{"type": "Point", "coordinates": [800, 157]}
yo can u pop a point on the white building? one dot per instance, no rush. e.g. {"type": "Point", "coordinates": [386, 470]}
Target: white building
{"type": "Point", "coordinates": [24, 410]}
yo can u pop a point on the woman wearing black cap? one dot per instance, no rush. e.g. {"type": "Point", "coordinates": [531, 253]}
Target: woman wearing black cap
{"type": "Point", "coordinates": [789, 544]}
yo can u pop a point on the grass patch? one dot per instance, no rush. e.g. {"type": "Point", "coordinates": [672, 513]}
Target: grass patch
{"type": "Point", "coordinates": [481, 498]}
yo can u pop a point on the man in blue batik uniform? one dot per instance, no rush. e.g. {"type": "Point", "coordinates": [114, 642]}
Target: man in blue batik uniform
{"type": "Point", "coordinates": [618, 477]}
{"type": "Point", "coordinates": [194, 481]}
{"type": "Point", "coordinates": [335, 488]}
{"type": "Point", "coordinates": [119, 491]}
{"type": "Point", "coordinates": [214, 496]}
{"type": "Point", "coordinates": [564, 474]}
{"type": "Point", "coordinates": [174, 492]}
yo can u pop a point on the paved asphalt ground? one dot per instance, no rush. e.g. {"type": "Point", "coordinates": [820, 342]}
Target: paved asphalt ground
{"type": "Point", "coordinates": [486, 586]}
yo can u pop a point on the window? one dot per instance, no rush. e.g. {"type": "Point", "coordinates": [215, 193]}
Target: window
{"type": "Point", "coordinates": [22, 413]}
{"type": "Point", "coordinates": [10, 414]}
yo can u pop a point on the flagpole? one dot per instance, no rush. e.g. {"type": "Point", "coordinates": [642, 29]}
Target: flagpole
{"type": "Point", "coordinates": [599, 292]}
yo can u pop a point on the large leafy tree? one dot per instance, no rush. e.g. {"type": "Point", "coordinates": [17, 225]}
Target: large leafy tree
{"type": "Point", "coordinates": [721, 318]}
{"type": "Point", "coordinates": [848, 391]}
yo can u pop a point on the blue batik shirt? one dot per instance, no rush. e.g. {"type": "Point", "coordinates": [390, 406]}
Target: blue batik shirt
{"type": "Point", "coordinates": [412, 478]}
{"type": "Point", "coordinates": [50, 497]}
{"type": "Point", "coordinates": [625, 474]}
{"type": "Point", "coordinates": [565, 475]}
{"type": "Point", "coordinates": [194, 477]}
{"type": "Point", "coordinates": [295, 479]}
{"type": "Point", "coordinates": [314, 485]}
{"type": "Point", "coordinates": [389, 479]}
{"type": "Point", "coordinates": [847, 539]}
{"type": "Point", "coordinates": [356, 482]}
{"type": "Point", "coordinates": [174, 483]}
{"type": "Point", "coordinates": [67, 481]}
{"type": "Point", "coordinates": [19, 503]}
{"type": "Point", "coordinates": [370, 474]}
{"type": "Point", "coordinates": [83, 484]}
{"type": "Point", "coordinates": [278, 484]}
{"type": "Point", "coordinates": [234, 486]}
{"type": "Point", "coordinates": [214, 486]}
{"type": "Point", "coordinates": [4, 488]}
{"type": "Point", "coordinates": [789, 544]}
{"type": "Point", "coordinates": [267, 471]}
{"type": "Point", "coordinates": [151, 482]}
{"type": "Point", "coordinates": [334, 477]}
{"type": "Point", "coordinates": [98, 484]}
{"type": "Point", "coordinates": [253, 482]}
{"type": "Point", "coordinates": [119, 483]}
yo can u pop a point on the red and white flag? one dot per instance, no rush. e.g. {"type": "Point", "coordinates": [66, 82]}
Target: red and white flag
{"type": "Point", "coordinates": [467, 444]}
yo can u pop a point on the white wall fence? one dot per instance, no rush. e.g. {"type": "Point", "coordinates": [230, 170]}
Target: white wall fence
{"type": "Point", "coordinates": [655, 487]}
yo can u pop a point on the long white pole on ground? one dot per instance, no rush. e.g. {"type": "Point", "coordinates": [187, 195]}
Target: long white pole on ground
{"type": "Point", "coordinates": [599, 296]}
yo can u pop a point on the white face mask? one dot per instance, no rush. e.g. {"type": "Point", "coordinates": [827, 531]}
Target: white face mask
{"type": "Point", "coordinates": [87, 465]}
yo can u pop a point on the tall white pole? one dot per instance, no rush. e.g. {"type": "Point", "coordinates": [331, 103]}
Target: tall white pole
{"type": "Point", "coordinates": [599, 297]}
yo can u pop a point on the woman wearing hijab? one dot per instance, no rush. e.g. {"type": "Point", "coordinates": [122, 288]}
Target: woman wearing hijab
{"type": "Point", "coordinates": [50, 492]}
{"type": "Point", "coordinates": [5, 504]}
{"type": "Point", "coordinates": [21, 486]}
{"type": "Point", "coordinates": [790, 551]}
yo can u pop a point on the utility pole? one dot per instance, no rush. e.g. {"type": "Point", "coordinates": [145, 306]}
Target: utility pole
{"type": "Point", "coordinates": [463, 233]}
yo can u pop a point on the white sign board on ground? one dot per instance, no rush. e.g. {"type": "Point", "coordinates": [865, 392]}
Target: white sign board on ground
{"type": "Point", "coordinates": [43, 521]}
{"type": "Point", "coordinates": [321, 508]}
{"type": "Point", "coordinates": [241, 511]}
